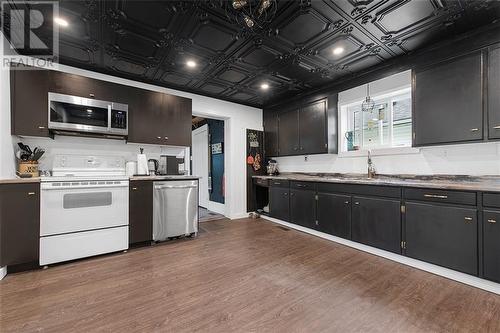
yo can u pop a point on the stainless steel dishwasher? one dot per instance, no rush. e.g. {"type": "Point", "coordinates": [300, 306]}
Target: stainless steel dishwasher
{"type": "Point", "coordinates": [175, 209]}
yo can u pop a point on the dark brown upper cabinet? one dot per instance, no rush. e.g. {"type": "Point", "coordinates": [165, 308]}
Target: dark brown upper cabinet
{"type": "Point", "coordinates": [448, 102]}
{"type": "Point", "coordinates": [288, 133]}
{"type": "Point", "coordinates": [29, 102]}
{"type": "Point", "coordinates": [312, 128]}
{"type": "Point", "coordinates": [494, 93]}
{"type": "Point", "coordinates": [176, 116]}
{"type": "Point", "coordinates": [81, 86]}
{"type": "Point", "coordinates": [300, 129]}
{"type": "Point", "coordinates": [19, 223]}
{"type": "Point", "coordinates": [271, 134]}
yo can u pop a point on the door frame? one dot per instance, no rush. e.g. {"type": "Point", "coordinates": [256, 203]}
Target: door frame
{"type": "Point", "coordinates": [205, 176]}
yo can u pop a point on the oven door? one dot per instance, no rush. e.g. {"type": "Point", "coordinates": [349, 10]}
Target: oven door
{"type": "Point", "coordinates": [76, 206]}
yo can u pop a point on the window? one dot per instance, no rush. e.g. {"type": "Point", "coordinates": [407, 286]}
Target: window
{"type": "Point", "coordinates": [388, 125]}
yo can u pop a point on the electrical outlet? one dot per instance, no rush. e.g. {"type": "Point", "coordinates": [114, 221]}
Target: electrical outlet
{"type": "Point", "coordinates": [305, 158]}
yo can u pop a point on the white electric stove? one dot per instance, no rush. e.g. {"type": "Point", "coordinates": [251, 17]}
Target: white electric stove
{"type": "Point", "coordinates": [84, 208]}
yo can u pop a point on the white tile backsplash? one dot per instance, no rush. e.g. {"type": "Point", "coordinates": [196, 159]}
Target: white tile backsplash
{"type": "Point", "coordinates": [466, 159]}
{"type": "Point", "coordinates": [94, 146]}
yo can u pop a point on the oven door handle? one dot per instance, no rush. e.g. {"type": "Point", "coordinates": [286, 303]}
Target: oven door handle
{"type": "Point", "coordinates": [76, 187]}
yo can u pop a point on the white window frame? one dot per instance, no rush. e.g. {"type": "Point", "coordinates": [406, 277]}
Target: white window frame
{"type": "Point", "coordinates": [343, 127]}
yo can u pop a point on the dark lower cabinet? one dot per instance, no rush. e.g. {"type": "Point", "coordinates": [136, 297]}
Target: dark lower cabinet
{"type": "Point", "coordinates": [303, 208]}
{"type": "Point", "coordinates": [442, 235]}
{"type": "Point", "coordinates": [334, 214]}
{"type": "Point", "coordinates": [491, 245]}
{"type": "Point", "coordinates": [19, 223]}
{"type": "Point", "coordinates": [377, 222]}
{"type": "Point", "coordinates": [279, 203]}
{"type": "Point", "coordinates": [140, 211]}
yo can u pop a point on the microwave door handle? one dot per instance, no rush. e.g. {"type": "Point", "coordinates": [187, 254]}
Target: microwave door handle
{"type": "Point", "coordinates": [109, 117]}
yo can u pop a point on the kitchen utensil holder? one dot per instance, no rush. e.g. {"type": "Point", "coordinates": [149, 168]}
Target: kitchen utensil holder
{"type": "Point", "coordinates": [28, 168]}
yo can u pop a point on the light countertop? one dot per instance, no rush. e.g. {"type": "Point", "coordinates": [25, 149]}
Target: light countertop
{"type": "Point", "coordinates": [18, 180]}
{"type": "Point", "coordinates": [445, 182]}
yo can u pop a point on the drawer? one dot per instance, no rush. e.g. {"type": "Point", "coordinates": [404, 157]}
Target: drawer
{"type": "Point", "coordinates": [261, 182]}
{"type": "Point", "coordinates": [303, 185]}
{"type": "Point", "coordinates": [491, 200]}
{"type": "Point", "coordinates": [444, 196]}
{"type": "Point", "coordinates": [370, 190]}
{"type": "Point", "coordinates": [279, 183]}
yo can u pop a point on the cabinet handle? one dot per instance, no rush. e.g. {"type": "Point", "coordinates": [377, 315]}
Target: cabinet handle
{"type": "Point", "coordinates": [300, 185]}
{"type": "Point", "coordinates": [301, 148]}
{"type": "Point", "coordinates": [285, 194]}
{"type": "Point", "coordinates": [356, 203]}
{"type": "Point", "coordinates": [31, 193]}
{"type": "Point", "coordinates": [436, 196]}
{"type": "Point", "coordinates": [292, 194]}
{"type": "Point", "coordinates": [497, 127]}
{"type": "Point", "coordinates": [41, 127]}
{"type": "Point", "coordinates": [134, 188]}
{"type": "Point", "coordinates": [166, 138]}
{"type": "Point", "coordinates": [158, 137]}
{"type": "Point", "coordinates": [492, 221]}
{"type": "Point", "coordinates": [91, 95]}
{"type": "Point", "coordinates": [468, 219]}
{"type": "Point", "coordinates": [474, 129]}
{"type": "Point", "coordinates": [347, 202]}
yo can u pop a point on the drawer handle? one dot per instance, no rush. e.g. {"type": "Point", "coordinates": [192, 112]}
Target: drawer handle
{"type": "Point", "coordinates": [276, 183]}
{"type": "Point", "coordinates": [356, 203]}
{"type": "Point", "coordinates": [285, 194]}
{"type": "Point", "coordinates": [166, 138]}
{"type": "Point", "coordinates": [436, 196]}
{"type": "Point", "coordinates": [474, 129]}
{"type": "Point", "coordinates": [41, 127]}
{"type": "Point", "coordinates": [347, 202]}
{"type": "Point", "coordinates": [468, 219]}
{"type": "Point", "coordinates": [492, 221]}
{"type": "Point", "coordinates": [134, 188]}
{"type": "Point", "coordinates": [300, 185]}
{"type": "Point", "coordinates": [158, 137]}
{"type": "Point", "coordinates": [497, 127]}
{"type": "Point", "coordinates": [31, 193]}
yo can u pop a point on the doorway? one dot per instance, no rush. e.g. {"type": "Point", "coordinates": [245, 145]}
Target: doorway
{"type": "Point", "coordinates": [207, 156]}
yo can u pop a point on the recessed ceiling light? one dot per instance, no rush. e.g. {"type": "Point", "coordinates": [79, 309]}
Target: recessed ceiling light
{"type": "Point", "coordinates": [61, 22]}
{"type": "Point", "coordinates": [191, 64]}
{"type": "Point", "coordinates": [338, 50]}
{"type": "Point", "coordinates": [264, 86]}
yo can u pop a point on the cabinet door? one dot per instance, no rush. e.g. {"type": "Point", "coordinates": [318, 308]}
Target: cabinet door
{"type": "Point", "coordinates": [303, 208]}
{"type": "Point", "coordinates": [491, 245]}
{"type": "Point", "coordinates": [29, 102]}
{"type": "Point", "coordinates": [140, 211]}
{"type": "Point", "coordinates": [82, 86]}
{"type": "Point", "coordinates": [270, 134]}
{"type": "Point", "coordinates": [288, 133]}
{"type": "Point", "coordinates": [448, 102]}
{"type": "Point", "coordinates": [279, 203]}
{"type": "Point", "coordinates": [312, 128]}
{"type": "Point", "coordinates": [145, 125]}
{"type": "Point", "coordinates": [377, 222]}
{"type": "Point", "coordinates": [334, 214]}
{"type": "Point", "coordinates": [175, 115]}
{"type": "Point", "coordinates": [442, 235]}
{"type": "Point", "coordinates": [494, 93]}
{"type": "Point", "coordinates": [19, 223]}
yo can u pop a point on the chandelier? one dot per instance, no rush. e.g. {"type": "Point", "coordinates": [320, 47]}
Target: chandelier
{"type": "Point", "coordinates": [252, 14]}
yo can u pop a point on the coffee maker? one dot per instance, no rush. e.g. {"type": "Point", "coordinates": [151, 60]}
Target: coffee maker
{"type": "Point", "coordinates": [272, 167]}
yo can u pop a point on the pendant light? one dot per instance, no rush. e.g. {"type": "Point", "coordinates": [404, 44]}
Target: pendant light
{"type": "Point", "coordinates": [368, 104]}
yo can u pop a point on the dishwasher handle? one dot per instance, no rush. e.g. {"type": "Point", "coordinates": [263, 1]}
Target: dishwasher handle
{"type": "Point", "coordinates": [160, 187]}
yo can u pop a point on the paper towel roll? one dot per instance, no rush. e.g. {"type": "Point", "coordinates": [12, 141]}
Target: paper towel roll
{"type": "Point", "coordinates": [142, 164]}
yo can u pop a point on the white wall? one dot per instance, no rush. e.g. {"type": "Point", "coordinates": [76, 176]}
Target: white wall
{"type": "Point", "coordinates": [466, 159]}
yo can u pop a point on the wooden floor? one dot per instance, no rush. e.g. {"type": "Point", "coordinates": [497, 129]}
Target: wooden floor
{"type": "Point", "coordinates": [242, 276]}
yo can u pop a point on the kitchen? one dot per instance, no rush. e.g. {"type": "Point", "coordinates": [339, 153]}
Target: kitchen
{"type": "Point", "coordinates": [370, 177]}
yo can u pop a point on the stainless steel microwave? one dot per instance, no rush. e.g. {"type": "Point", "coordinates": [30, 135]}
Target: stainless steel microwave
{"type": "Point", "coordinates": [79, 114]}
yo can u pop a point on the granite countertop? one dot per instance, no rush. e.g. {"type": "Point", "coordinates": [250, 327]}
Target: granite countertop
{"type": "Point", "coordinates": [18, 180]}
{"type": "Point", "coordinates": [446, 182]}
{"type": "Point", "coordinates": [166, 177]}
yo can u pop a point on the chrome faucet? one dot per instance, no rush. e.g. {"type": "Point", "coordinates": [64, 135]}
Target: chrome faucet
{"type": "Point", "coordinates": [371, 168]}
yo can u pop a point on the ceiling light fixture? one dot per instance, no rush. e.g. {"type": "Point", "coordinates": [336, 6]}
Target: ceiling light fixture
{"type": "Point", "coordinates": [61, 22]}
{"type": "Point", "coordinates": [338, 50]}
{"type": "Point", "coordinates": [191, 64]}
{"type": "Point", "coordinates": [264, 86]}
{"type": "Point", "coordinates": [251, 14]}
{"type": "Point", "coordinates": [368, 104]}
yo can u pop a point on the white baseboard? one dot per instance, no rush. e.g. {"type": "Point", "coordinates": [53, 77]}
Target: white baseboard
{"type": "Point", "coordinates": [3, 272]}
{"type": "Point", "coordinates": [238, 216]}
{"type": "Point", "coordinates": [217, 207]}
{"type": "Point", "coordinates": [438, 270]}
